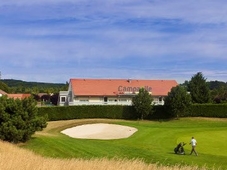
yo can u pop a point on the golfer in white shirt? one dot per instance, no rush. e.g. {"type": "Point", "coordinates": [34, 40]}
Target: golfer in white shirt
{"type": "Point", "coordinates": [193, 143]}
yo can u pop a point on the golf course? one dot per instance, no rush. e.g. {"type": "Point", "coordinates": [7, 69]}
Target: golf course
{"type": "Point", "coordinates": [153, 143]}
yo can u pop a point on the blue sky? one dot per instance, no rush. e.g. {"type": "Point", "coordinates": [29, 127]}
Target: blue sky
{"type": "Point", "coordinates": [55, 40]}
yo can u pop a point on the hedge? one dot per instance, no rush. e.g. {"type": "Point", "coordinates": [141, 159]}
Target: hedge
{"type": "Point", "coordinates": [208, 110]}
{"type": "Point", "coordinates": [85, 111]}
{"type": "Point", "coordinates": [127, 112]}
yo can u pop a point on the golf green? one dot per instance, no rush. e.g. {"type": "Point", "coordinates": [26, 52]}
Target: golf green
{"type": "Point", "coordinates": [212, 142]}
{"type": "Point", "coordinates": [154, 142]}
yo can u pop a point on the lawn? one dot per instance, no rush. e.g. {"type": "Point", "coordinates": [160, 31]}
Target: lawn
{"type": "Point", "coordinates": [153, 142]}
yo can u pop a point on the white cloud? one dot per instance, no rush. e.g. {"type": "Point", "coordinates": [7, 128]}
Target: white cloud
{"type": "Point", "coordinates": [146, 39]}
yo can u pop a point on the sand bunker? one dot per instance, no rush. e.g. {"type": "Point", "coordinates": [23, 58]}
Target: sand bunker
{"type": "Point", "coordinates": [100, 131]}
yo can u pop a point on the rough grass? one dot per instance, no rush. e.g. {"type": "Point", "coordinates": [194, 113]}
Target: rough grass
{"type": "Point", "coordinates": [153, 143]}
{"type": "Point", "coordinates": [13, 157]}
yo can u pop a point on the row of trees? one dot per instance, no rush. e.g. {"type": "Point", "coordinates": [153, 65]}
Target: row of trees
{"type": "Point", "coordinates": [19, 86]}
{"type": "Point", "coordinates": [179, 98]}
{"type": "Point", "coordinates": [217, 89]}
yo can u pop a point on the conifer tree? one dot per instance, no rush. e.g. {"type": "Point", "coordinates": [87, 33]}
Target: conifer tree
{"type": "Point", "coordinates": [19, 119]}
{"type": "Point", "coordinates": [142, 103]}
{"type": "Point", "coordinates": [199, 89]}
{"type": "Point", "coordinates": [178, 101]}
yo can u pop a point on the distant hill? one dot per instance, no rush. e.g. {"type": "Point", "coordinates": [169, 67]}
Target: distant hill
{"type": "Point", "coordinates": [19, 86]}
{"type": "Point", "coordinates": [16, 83]}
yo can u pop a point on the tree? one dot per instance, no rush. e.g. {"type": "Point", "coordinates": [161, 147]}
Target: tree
{"type": "Point", "coordinates": [142, 103]}
{"type": "Point", "coordinates": [178, 101]}
{"type": "Point", "coordinates": [219, 95]}
{"type": "Point", "coordinates": [4, 87]}
{"type": "Point", "coordinates": [185, 84]}
{"type": "Point", "coordinates": [218, 91]}
{"type": "Point", "coordinates": [19, 119]}
{"type": "Point", "coordinates": [199, 89]}
{"type": "Point", "coordinates": [54, 99]}
{"type": "Point", "coordinates": [216, 84]}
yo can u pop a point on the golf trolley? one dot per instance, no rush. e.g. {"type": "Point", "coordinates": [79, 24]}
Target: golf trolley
{"type": "Point", "coordinates": [180, 148]}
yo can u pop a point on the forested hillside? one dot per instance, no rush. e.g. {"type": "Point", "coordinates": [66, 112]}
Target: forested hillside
{"type": "Point", "coordinates": [19, 86]}
{"type": "Point", "coordinates": [46, 93]}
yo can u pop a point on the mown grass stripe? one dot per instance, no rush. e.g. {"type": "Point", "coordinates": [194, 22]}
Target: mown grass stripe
{"type": "Point", "coordinates": [154, 142]}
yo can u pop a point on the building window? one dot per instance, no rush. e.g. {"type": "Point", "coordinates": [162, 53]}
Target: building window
{"type": "Point", "coordinates": [63, 99]}
{"type": "Point", "coordinates": [84, 100]}
{"type": "Point", "coordinates": [123, 100]}
{"type": "Point", "coordinates": [112, 100]}
{"type": "Point", "coordinates": [105, 99]}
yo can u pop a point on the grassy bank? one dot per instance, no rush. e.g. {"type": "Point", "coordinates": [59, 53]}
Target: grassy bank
{"type": "Point", "coordinates": [153, 143]}
{"type": "Point", "coordinates": [13, 157]}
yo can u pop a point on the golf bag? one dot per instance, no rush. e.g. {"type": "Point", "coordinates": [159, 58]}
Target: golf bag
{"type": "Point", "coordinates": [180, 148]}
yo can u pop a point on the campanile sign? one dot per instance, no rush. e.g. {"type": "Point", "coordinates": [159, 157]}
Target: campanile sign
{"type": "Point", "coordinates": [133, 89]}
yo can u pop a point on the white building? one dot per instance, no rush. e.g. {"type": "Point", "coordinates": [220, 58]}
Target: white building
{"type": "Point", "coordinates": [112, 91]}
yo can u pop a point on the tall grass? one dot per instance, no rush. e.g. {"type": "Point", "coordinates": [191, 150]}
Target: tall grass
{"type": "Point", "coordinates": [14, 158]}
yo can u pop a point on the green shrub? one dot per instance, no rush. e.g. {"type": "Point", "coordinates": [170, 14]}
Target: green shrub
{"type": "Point", "coordinates": [19, 120]}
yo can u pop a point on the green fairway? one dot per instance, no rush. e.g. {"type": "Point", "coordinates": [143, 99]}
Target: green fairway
{"type": "Point", "coordinates": [153, 142]}
{"type": "Point", "coordinates": [212, 142]}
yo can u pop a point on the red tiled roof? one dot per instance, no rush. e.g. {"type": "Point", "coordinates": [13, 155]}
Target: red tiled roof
{"type": "Point", "coordinates": [110, 87]}
{"type": "Point", "coordinates": [15, 96]}
{"type": "Point", "coordinates": [3, 92]}
{"type": "Point", "coordinates": [18, 96]}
